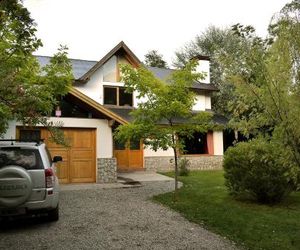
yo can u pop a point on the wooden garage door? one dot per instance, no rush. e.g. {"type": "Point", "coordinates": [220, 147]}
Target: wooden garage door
{"type": "Point", "coordinates": [79, 160]}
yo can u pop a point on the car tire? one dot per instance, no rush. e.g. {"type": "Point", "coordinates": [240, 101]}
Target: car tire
{"type": "Point", "coordinates": [53, 215]}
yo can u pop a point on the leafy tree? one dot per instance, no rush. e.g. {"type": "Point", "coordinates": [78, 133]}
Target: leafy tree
{"type": "Point", "coordinates": [154, 59]}
{"type": "Point", "coordinates": [165, 116]}
{"type": "Point", "coordinates": [28, 93]}
{"type": "Point", "coordinates": [218, 44]}
{"type": "Point", "coordinates": [268, 83]}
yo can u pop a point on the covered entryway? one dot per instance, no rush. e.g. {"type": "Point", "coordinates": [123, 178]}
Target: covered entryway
{"type": "Point", "coordinates": [129, 157]}
{"type": "Point", "coordinates": [79, 160]}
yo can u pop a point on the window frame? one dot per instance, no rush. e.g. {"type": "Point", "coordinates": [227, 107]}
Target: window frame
{"type": "Point", "coordinates": [117, 96]}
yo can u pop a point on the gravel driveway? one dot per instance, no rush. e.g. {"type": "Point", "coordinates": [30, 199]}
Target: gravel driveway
{"type": "Point", "coordinates": [111, 219]}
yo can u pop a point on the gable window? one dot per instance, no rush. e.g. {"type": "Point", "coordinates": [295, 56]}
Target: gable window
{"type": "Point", "coordinates": [117, 96]}
{"type": "Point", "coordinates": [110, 70]}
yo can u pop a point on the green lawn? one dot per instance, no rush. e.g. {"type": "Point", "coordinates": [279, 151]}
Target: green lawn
{"type": "Point", "coordinates": [204, 199]}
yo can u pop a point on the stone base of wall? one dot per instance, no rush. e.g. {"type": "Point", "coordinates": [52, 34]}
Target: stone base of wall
{"type": "Point", "coordinates": [106, 170]}
{"type": "Point", "coordinates": [166, 163]}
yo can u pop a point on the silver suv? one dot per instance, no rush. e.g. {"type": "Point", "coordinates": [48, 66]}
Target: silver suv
{"type": "Point", "coordinates": [28, 183]}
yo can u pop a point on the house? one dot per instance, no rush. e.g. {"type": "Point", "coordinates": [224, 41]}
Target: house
{"type": "Point", "coordinates": [96, 105]}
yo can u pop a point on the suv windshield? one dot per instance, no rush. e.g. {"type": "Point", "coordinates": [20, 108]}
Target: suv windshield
{"type": "Point", "coordinates": [23, 157]}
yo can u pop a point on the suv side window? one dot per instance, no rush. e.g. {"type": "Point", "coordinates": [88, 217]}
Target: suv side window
{"type": "Point", "coordinates": [48, 156]}
{"type": "Point", "coordinates": [23, 157]}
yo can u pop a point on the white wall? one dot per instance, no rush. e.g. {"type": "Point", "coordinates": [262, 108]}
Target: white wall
{"type": "Point", "coordinates": [94, 87]}
{"type": "Point", "coordinates": [104, 148]}
{"type": "Point", "coordinates": [160, 152]}
{"type": "Point", "coordinates": [207, 102]}
{"type": "Point", "coordinates": [199, 103]}
{"type": "Point", "coordinates": [203, 67]}
{"type": "Point", "coordinates": [11, 131]}
{"type": "Point", "coordinates": [218, 142]}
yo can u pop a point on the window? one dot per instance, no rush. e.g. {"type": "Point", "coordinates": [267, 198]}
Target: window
{"type": "Point", "coordinates": [119, 145]}
{"type": "Point", "coordinates": [135, 145]}
{"type": "Point", "coordinates": [196, 145]}
{"type": "Point", "coordinates": [110, 96]}
{"type": "Point", "coordinates": [23, 157]}
{"type": "Point", "coordinates": [110, 70]}
{"type": "Point", "coordinates": [125, 99]}
{"type": "Point", "coordinates": [117, 96]}
{"type": "Point", "coordinates": [30, 134]}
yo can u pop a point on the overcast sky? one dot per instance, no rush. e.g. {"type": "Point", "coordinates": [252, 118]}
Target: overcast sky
{"type": "Point", "coordinates": [91, 28]}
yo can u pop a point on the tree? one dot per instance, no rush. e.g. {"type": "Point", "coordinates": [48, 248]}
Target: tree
{"type": "Point", "coordinates": [154, 59]}
{"type": "Point", "coordinates": [267, 86]}
{"type": "Point", "coordinates": [218, 44]}
{"type": "Point", "coordinates": [28, 93]}
{"type": "Point", "coordinates": [165, 116]}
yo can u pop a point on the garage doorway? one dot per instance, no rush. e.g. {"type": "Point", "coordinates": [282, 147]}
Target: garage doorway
{"type": "Point", "coordinates": [79, 160]}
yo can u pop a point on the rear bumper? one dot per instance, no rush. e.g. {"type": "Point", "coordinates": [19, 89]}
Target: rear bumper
{"type": "Point", "coordinates": [50, 202]}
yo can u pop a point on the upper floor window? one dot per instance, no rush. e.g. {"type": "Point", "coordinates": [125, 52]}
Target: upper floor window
{"type": "Point", "coordinates": [117, 96]}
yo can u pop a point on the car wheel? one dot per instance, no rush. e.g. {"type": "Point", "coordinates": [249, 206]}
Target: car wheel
{"type": "Point", "coordinates": [53, 215]}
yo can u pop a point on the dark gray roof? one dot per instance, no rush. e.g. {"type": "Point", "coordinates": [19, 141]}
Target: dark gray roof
{"type": "Point", "coordinates": [160, 73]}
{"type": "Point", "coordinates": [125, 114]}
{"type": "Point", "coordinates": [163, 74]}
{"type": "Point", "coordinates": [80, 67]}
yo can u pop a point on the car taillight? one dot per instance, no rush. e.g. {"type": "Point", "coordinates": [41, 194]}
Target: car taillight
{"type": "Point", "coordinates": [50, 178]}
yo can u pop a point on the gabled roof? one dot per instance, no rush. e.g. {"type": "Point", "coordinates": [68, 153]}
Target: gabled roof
{"type": "Point", "coordinates": [120, 46]}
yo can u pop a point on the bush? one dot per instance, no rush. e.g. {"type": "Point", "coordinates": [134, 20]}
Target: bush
{"type": "Point", "coordinates": [184, 165]}
{"type": "Point", "coordinates": [260, 169]}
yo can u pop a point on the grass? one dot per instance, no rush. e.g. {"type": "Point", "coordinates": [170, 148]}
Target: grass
{"type": "Point", "coordinates": [204, 200]}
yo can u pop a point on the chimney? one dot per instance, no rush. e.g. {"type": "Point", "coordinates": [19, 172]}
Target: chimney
{"type": "Point", "coordinates": [203, 67]}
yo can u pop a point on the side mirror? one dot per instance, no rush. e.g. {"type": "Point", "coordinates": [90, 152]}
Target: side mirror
{"type": "Point", "coordinates": [57, 159]}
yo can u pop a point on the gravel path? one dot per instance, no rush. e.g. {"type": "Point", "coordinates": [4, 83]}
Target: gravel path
{"type": "Point", "coordinates": [111, 219]}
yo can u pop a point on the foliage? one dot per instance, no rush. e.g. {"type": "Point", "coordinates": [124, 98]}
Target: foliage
{"type": "Point", "coordinates": [184, 165]}
{"type": "Point", "coordinates": [261, 170]}
{"type": "Point", "coordinates": [28, 93]}
{"type": "Point", "coordinates": [166, 111]}
{"type": "Point", "coordinates": [154, 59]}
{"type": "Point", "coordinates": [267, 86]}
{"type": "Point", "coordinates": [220, 45]}
{"type": "Point", "coordinates": [204, 200]}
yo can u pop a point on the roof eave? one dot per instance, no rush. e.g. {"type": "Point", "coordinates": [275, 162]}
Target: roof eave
{"type": "Point", "coordinates": [73, 91]}
{"type": "Point", "coordinates": [119, 46]}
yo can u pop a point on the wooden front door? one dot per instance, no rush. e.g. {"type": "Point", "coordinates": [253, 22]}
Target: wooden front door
{"type": "Point", "coordinates": [79, 160]}
{"type": "Point", "coordinates": [129, 157]}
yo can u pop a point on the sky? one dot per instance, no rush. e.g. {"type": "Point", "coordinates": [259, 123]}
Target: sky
{"type": "Point", "coordinates": [91, 28]}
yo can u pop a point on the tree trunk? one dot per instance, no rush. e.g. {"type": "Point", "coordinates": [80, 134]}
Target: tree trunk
{"type": "Point", "coordinates": [176, 168]}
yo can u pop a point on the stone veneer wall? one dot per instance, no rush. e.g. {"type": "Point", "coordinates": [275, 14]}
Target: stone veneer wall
{"type": "Point", "coordinates": [166, 163]}
{"type": "Point", "coordinates": [106, 170]}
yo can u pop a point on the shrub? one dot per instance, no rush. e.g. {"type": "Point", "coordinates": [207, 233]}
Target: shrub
{"type": "Point", "coordinates": [184, 165]}
{"type": "Point", "coordinates": [260, 169]}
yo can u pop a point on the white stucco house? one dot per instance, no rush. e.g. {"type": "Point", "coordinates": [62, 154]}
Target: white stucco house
{"type": "Point", "coordinates": [97, 104]}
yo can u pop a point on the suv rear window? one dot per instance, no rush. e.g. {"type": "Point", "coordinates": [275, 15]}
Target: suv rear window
{"type": "Point", "coordinates": [23, 157]}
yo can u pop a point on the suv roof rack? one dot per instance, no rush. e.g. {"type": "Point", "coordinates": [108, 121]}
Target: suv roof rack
{"type": "Point", "coordinates": [38, 142]}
